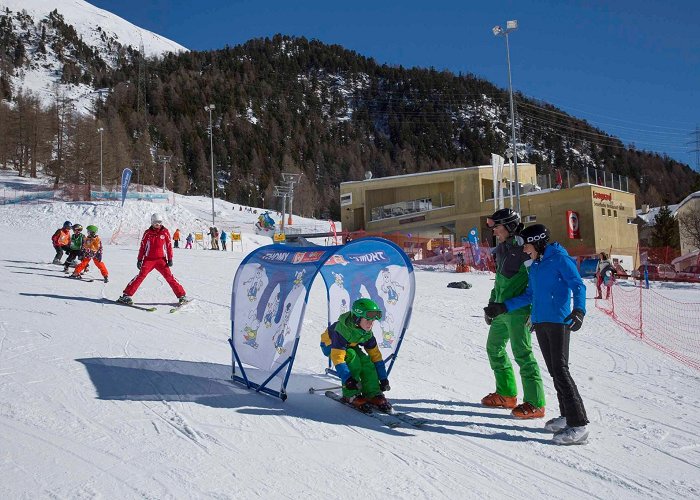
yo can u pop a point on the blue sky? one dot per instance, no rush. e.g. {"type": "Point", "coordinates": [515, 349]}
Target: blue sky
{"type": "Point", "coordinates": [632, 68]}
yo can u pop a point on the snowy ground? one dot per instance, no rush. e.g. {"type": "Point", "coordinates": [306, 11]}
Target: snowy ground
{"type": "Point", "coordinates": [99, 400]}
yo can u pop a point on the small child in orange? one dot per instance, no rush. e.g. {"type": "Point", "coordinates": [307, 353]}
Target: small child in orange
{"type": "Point", "coordinates": [92, 249]}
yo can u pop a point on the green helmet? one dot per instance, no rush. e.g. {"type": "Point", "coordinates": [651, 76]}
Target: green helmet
{"type": "Point", "coordinates": [366, 308]}
{"type": "Point", "coordinates": [91, 229]}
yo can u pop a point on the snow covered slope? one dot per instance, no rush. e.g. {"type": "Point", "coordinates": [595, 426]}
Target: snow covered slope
{"type": "Point", "coordinates": [99, 400]}
{"type": "Point", "coordinates": [86, 19]}
{"type": "Point", "coordinates": [101, 30]}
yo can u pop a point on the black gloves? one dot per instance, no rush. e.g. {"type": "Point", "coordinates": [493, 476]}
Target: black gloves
{"type": "Point", "coordinates": [351, 384]}
{"type": "Point", "coordinates": [487, 318]}
{"type": "Point", "coordinates": [495, 309]}
{"type": "Point", "coordinates": [384, 385]}
{"type": "Point", "coordinates": [138, 264]}
{"type": "Point", "coordinates": [170, 263]}
{"type": "Point", "coordinates": [576, 318]}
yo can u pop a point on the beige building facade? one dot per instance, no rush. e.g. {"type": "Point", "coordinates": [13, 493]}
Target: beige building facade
{"type": "Point", "coordinates": [586, 219]}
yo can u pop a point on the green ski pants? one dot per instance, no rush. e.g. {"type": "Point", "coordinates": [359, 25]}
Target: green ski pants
{"type": "Point", "coordinates": [361, 369]}
{"type": "Point", "coordinates": [513, 326]}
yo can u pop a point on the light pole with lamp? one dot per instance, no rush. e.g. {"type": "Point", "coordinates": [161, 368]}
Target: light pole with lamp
{"type": "Point", "coordinates": [497, 31]}
{"type": "Point", "coordinates": [210, 107]}
{"type": "Point", "coordinates": [164, 159]}
{"type": "Point", "coordinates": [100, 130]}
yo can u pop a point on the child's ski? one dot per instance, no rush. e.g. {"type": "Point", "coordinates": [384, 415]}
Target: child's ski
{"type": "Point", "coordinates": [384, 418]}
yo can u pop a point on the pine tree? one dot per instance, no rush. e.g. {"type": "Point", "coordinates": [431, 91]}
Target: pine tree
{"type": "Point", "coordinates": [665, 232]}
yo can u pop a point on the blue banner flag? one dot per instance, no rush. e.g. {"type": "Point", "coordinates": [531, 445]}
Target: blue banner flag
{"type": "Point", "coordinates": [126, 180]}
{"type": "Point", "coordinates": [474, 240]}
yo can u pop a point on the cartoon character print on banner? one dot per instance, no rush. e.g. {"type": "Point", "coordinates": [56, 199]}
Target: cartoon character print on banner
{"type": "Point", "coordinates": [272, 285]}
{"type": "Point", "coordinates": [388, 333]}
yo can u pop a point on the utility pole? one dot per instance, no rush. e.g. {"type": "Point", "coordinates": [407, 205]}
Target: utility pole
{"type": "Point", "coordinates": [696, 142]}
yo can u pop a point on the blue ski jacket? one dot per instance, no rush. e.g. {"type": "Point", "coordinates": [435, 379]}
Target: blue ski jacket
{"type": "Point", "coordinates": [552, 279]}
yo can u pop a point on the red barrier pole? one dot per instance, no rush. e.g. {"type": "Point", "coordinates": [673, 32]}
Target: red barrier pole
{"type": "Point", "coordinates": [641, 323]}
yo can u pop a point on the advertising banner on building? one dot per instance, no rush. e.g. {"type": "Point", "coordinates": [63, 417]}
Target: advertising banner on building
{"type": "Point", "coordinates": [572, 225]}
{"type": "Point", "coordinates": [126, 180]}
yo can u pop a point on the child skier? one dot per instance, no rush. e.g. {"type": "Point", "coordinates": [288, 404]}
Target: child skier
{"type": "Point", "coordinates": [92, 249]}
{"type": "Point", "coordinates": [61, 241]}
{"type": "Point", "coordinates": [75, 247]}
{"type": "Point", "coordinates": [176, 238]}
{"type": "Point", "coordinates": [189, 241]}
{"type": "Point", "coordinates": [364, 377]}
{"type": "Point", "coordinates": [156, 252]}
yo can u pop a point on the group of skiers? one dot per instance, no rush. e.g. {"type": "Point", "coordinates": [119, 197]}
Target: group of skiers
{"type": "Point", "coordinates": [521, 301]}
{"type": "Point", "coordinates": [77, 245]}
{"type": "Point", "coordinates": [216, 237]}
{"type": "Point", "coordinates": [155, 252]}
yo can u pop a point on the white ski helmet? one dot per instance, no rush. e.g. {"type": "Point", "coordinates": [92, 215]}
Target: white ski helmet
{"type": "Point", "coordinates": [156, 219]}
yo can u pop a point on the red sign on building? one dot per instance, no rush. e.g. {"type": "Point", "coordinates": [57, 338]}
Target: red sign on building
{"type": "Point", "coordinates": [572, 225]}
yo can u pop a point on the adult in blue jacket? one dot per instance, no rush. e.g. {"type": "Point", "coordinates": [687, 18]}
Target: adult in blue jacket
{"type": "Point", "coordinates": [553, 278]}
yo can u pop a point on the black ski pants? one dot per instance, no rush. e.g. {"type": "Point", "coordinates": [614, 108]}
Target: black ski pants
{"type": "Point", "coordinates": [554, 341]}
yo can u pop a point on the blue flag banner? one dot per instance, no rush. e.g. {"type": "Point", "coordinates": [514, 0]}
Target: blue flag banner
{"type": "Point", "coordinates": [271, 290]}
{"type": "Point", "coordinates": [474, 241]}
{"type": "Point", "coordinates": [126, 180]}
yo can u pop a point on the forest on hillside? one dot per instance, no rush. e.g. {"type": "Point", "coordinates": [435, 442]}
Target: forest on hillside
{"type": "Point", "coordinates": [293, 105]}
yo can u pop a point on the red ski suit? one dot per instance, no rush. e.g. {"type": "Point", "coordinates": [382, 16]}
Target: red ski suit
{"type": "Point", "coordinates": [155, 252]}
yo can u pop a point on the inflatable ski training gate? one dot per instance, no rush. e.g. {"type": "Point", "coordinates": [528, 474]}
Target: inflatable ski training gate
{"type": "Point", "coordinates": [271, 289]}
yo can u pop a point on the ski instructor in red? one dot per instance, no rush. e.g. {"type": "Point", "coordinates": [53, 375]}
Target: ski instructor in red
{"type": "Point", "coordinates": [156, 252]}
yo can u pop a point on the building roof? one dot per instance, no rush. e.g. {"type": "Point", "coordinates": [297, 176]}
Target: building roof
{"type": "Point", "coordinates": [649, 218]}
{"type": "Point", "coordinates": [432, 172]}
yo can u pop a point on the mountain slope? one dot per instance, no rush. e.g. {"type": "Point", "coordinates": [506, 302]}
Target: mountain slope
{"type": "Point", "coordinates": [68, 46]}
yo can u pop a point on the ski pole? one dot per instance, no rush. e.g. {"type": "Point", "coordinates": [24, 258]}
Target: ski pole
{"type": "Point", "coordinates": [324, 389]}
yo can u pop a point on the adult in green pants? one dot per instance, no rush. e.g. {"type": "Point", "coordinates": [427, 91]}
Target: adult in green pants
{"type": "Point", "coordinates": [511, 281]}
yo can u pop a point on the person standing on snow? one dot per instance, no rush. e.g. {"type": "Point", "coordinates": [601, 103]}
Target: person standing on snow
{"type": "Point", "coordinates": [188, 241]}
{"type": "Point", "coordinates": [604, 267]}
{"type": "Point", "coordinates": [92, 249]}
{"type": "Point", "coordinates": [223, 240]}
{"type": "Point", "coordinates": [155, 252]}
{"type": "Point", "coordinates": [61, 241]}
{"type": "Point", "coordinates": [511, 281]}
{"type": "Point", "coordinates": [552, 281]}
{"type": "Point", "coordinates": [76, 246]}
{"type": "Point", "coordinates": [176, 238]}
{"type": "Point", "coordinates": [363, 375]}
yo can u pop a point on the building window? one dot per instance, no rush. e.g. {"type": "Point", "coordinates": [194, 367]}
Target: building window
{"type": "Point", "coordinates": [609, 213]}
{"type": "Point", "coordinates": [615, 213]}
{"type": "Point", "coordinates": [602, 210]}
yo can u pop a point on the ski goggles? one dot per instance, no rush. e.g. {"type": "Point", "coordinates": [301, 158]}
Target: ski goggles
{"type": "Point", "coordinates": [371, 315]}
{"type": "Point", "coordinates": [490, 223]}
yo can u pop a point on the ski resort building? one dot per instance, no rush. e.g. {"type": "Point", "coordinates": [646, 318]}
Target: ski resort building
{"type": "Point", "coordinates": [586, 218]}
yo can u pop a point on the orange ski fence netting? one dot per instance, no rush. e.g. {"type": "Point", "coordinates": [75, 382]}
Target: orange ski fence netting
{"type": "Point", "coordinates": [668, 325]}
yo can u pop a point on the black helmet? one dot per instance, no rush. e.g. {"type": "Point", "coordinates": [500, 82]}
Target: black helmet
{"type": "Point", "coordinates": [77, 227]}
{"type": "Point", "coordinates": [67, 225]}
{"type": "Point", "coordinates": [506, 217]}
{"type": "Point", "coordinates": [536, 235]}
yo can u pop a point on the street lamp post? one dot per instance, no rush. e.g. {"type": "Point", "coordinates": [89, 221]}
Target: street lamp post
{"type": "Point", "coordinates": [164, 159]}
{"type": "Point", "coordinates": [100, 130]}
{"type": "Point", "coordinates": [210, 107]}
{"type": "Point", "coordinates": [497, 31]}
